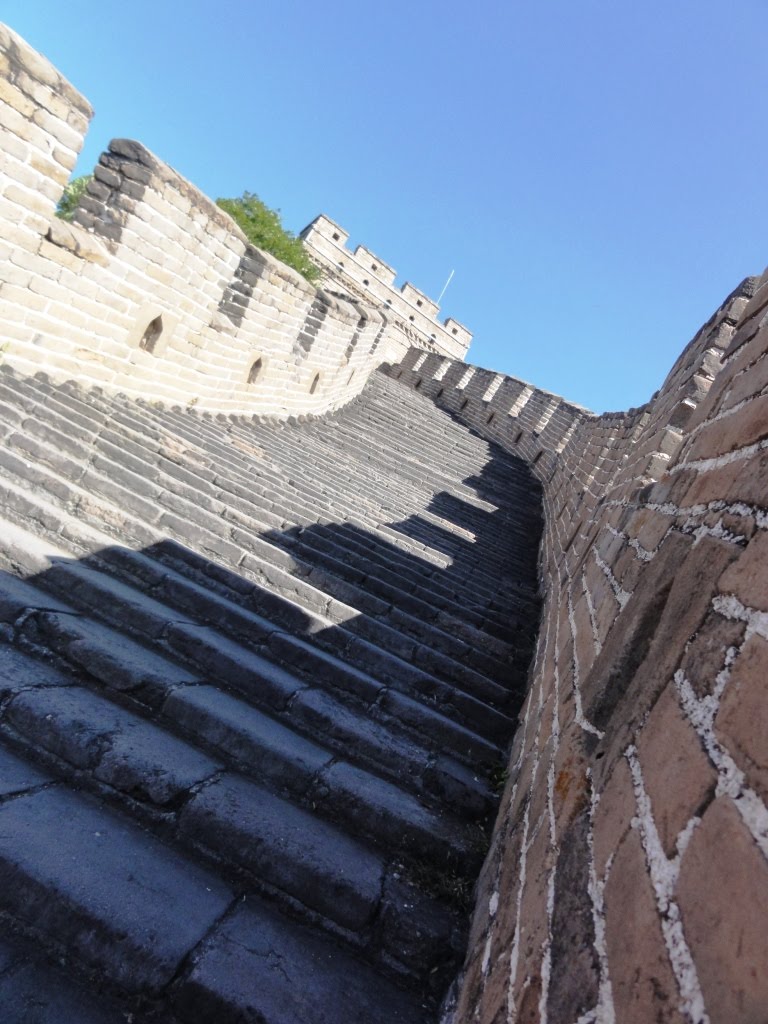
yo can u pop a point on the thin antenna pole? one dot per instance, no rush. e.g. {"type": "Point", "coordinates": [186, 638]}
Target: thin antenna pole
{"type": "Point", "coordinates": [442, 293]}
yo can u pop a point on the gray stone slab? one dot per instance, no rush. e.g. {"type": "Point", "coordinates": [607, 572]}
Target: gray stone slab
{"type": "Point", "coordinates": [287, 847]}
{"type": "Point", "coordinates": [107, 655]}
{"type": "Point", "coordinates": [261, 970]}
{"type": "Point", "coordinates": [269, 749]}
{"type": "Point", "coordinates": [357, 730]}
{"type": "Point", "coordinates": [18, 671]}
{"type": "Point", "coordinates": [16, 775]}
{"type": "Point", "coordinates": [381, 809]}
{"type": "Point", "coordinates": [120, 899]}
{"type": "Point", "coordinates": [146, 761]}
{"type": "Point", "coordinates": [221, 657]}
{"type": "Point", "coordinates": [16, 596]}
{"type": "Point", "coordinates": [122, 749]}
{"type": "Point", "coordinates": [33, 991]}
{"type": "Point", "coordinates": [321, 666]}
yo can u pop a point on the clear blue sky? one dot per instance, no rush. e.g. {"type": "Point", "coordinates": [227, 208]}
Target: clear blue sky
{"type": "Point", "coordinates": [594, 172]}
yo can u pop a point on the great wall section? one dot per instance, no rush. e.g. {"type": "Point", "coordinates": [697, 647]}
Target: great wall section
{"type": "Point", "coordinates": [315, 636]}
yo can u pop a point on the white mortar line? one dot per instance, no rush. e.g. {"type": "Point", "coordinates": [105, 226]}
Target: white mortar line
{"type": "Point", "coordinates": [642, 553]}
{"type": "Point", "coordinates": [580, 719]}
{"type": "Point", "coordinates": [622, 596]}
{"type": "Point", "coordinates": [604, 1012]}
{"type": "Point", "coordinates": [731, 607]}
{"type": "Point", "coordinates": [664, 875]}
{"type": "Point", "coordinates": [718, 461]}
{"type": "Point", "coordinates": [731, 780]}
{"type": "Point", "coordinates": [591, 609]}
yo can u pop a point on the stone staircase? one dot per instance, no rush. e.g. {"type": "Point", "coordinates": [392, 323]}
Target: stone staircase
{"type": "Point", "coordinates": [256, 686]}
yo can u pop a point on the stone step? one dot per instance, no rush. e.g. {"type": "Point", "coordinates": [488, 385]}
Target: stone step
{"type": "Point", "coordinates": [118, 484]}
{"type": "Point", "coordinates": [403, 587]}
{"type": "Point", "coordinates": [415, 685]}
{"type": "Point", "coordinates": [187, 420]}
{"type": "Point", "coordinates": [136, 481]}
{"type": "Point", "coordinates": [256, 837]}
{"type": "Point", "coordinates": [389, 668]}
{"type": "Point", "coordinates": [279, 846]}
{"type": "Point", "coordinates": [278, 659]}
{"type": "Point", "coordinates": [371, 728]}
{"type": "Point", "coordinates": [157, 924]}
{"type": "Point", "coordinates": [37, 989]}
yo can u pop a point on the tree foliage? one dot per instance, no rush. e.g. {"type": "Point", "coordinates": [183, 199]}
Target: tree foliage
{"type": "Point", "coordinates": [264, 229]}
{"type": "Point", "coordinates": [71, 196]}
{"type": "Point", "coordinates": [260, 225]}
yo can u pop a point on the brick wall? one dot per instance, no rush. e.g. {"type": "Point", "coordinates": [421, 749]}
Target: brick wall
{"type": "Point", "coordinates": [152, 289]}
{"type": "Point", "coordinates": [627, 879]}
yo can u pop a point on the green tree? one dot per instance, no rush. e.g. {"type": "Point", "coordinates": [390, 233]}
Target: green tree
{"type": "Point", "coordinates": [71, 196]}
{"type": "Point", "coordinates": [264, 229]}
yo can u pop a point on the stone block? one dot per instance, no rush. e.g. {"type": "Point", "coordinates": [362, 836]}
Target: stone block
{"type": "Point", "coordinates": [649, 528]}
{"type": "Point", "coordinates": [679, 777]}
{"type": "Point", "coordinates": [749, 383]}
{"type": "Point", "coordinates": [16, 99]}
{"type": "Point", "coordinates": [723, 898]}
{"type": "Point", "coordinates": [614, 814]}
{"type": "Point", "coordinates": [747, 578]}
{"type": "Point", "coordinates": [741, 724]}
{"type": "Point", "coordinates": [743, 428]}
{"type": "Point", "coordinates": [288, 847]}
{"type": "Point", "coordinates": [705, 655]}
{"type": "Point", "coordinates": [258, 966]}
{"type": "Point", "coordinates": [90, 887]}
{"type": "Point", "coordinates": [642, 983]}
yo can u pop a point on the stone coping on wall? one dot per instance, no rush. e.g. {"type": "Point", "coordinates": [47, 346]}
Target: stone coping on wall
{"type": "Point", "coordinates": [153, 289]}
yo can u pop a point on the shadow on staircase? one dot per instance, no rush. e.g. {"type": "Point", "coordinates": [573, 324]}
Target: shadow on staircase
{"type": "Point", "coordinates": [249, 774]}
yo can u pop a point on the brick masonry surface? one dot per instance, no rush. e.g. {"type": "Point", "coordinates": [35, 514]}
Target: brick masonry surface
{"type": "Point", "coordinates": [627, 880]}
{"type": "Point", "coordinates": [152, 290]}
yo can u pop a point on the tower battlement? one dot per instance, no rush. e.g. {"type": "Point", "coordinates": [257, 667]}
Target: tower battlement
{"type": "Point", "coordinates": [365, 276]}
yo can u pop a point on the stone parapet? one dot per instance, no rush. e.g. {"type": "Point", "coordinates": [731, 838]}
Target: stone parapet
{"type": "Point", "coordinates": [152, 289]}
{"type": "Point", "coordinates": [628, 874]}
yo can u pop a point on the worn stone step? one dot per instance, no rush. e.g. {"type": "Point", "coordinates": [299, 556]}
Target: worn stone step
{"type": "Point", "coordinates": [35, 989]}
{"type": "Point", "coordinates": [391, 639]}
{"type": "Point", "coordinates": [286, 652]}
{"type": "Point", "coordinates": [411, 604]}
{"type": "Point", "coordinates": [60, 491]}
{"type": "Point", "coordinates": [121, 900]}
{"type": "Point", "coordinates": [155, 621]}
{"type": "Point", "coordinates": [254, 968]}
{"type": "Point", "coordinates": [150, 619]}
{"type": "Point", "coordinates": [243, 823]}
{"type": "Point", "coordinates": [123, 903]}
{"type": "Point", "coordinates": [386, 669]}
{"type": "Point", "coordinates": [125, 667]}
{"type": "Point", "coordinates": [276, 843]}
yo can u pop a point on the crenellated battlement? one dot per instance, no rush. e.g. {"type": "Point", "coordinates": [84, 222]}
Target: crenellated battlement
{"type": "Point", "coordinates": [366, 276]}
{"type": "Point", "coordinates": [152, 289]}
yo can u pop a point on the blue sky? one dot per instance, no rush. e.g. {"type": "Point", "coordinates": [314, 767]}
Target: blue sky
{"type": "Point", "coordinates": [593, 172]}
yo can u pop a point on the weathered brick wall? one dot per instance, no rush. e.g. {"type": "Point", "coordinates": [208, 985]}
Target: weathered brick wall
{"type": "Point", "coordinates": [153, 290]}
{"type": "Point", "coordinates": [627, 879]}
